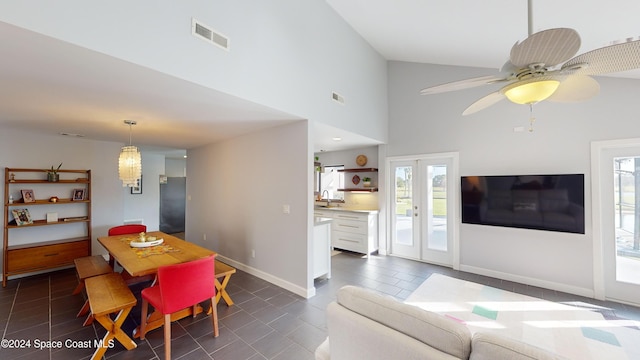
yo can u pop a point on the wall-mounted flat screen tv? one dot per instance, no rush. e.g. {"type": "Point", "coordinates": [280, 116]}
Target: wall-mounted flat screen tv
{"type": "Point", "coordinates": [541, 202]}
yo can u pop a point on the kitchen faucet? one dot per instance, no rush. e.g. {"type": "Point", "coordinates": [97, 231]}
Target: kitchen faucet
{"type": "Point", "coordinates": [328, 200]}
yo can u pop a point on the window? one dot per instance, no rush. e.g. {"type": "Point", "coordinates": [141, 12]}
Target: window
{"type": "Point", "coordinates": [330, 181]}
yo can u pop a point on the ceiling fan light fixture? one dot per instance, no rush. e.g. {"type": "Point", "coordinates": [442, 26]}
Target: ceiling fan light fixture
{"type": "Point", "coordinates": [531, 92]}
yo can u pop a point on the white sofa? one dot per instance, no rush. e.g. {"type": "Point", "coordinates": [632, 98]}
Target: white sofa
{"type": "Point", "coordinates": [363, 324]}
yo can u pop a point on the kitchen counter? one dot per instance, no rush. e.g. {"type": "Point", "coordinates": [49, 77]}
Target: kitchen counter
{"type": "Point", "coordinates": [338, 208]}
{"type": "Point", "coordinates": [319, 220]}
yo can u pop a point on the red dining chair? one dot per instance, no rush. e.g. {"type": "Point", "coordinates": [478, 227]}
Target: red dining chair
{"type": "Point", "coordinates": [127, 229]}
{"type": "Point", "coordinates": [180, 286]}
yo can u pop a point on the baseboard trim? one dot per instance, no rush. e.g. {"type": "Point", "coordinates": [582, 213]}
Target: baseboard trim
{"type": "Point", "coordinates": [575, 290]}
{"type": "Point", "coordinates": [300, 291]}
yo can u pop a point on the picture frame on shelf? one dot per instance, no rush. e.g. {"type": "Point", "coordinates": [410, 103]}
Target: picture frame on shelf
{"type": "Point", "coordinates": [138, 188]}
{"type": "Point", "coordinates": [27, 196]}
{"type": "Point", "coordinates": [21, 216]}
{"type": "Point", "coordinates": [78, 195]}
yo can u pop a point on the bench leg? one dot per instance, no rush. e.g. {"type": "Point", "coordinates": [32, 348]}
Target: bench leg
{"type": "Point", "coordinates": [222, 290]}
{"type": "Point", "coordinates": [78, 288]}
{"type": "Point", "coordinates": [84, 310]}
{"type": "Point", "coordinates": [113, 331]}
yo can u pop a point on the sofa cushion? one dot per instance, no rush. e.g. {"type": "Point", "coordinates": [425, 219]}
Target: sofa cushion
{"type": "Point", "coordinates": [487, 346]}
{"type": "Point", "coordinates": [433, 329]}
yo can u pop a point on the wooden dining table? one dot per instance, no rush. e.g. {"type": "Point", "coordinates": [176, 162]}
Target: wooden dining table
{"type": "Point", "coordinates": [138, 262]}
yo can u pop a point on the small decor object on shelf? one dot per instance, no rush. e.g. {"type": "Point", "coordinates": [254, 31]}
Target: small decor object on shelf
{"type": "Point", "coordinates": [52, 217]}
{"type": "Point", "coordinates": [355, 179]}
{"type": "Point", "coordinates": [12, 177]}
{"type": "Point", "coordinates": [361, 160]}
{"type": "Point", "coordinates": [52, 174]}
{"type": "Point", "coordinates": [78, 195]}
{"type": "Point", "coordinates": [21, 216]}
{"type": "Point", "coordinates": [27, 196]}
{"type": "Point", "coordinates": [366, 181]}
{"type": "Point", "coordinates": [53, 199]}
{"type": "Point", "coordinates": [75, 218]}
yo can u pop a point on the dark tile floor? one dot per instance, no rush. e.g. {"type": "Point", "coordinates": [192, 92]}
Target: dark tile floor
{"type": "Point", "coordinates": [266, 322]}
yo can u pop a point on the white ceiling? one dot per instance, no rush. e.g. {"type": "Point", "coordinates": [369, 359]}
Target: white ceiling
{"type": "Point", "coordinates": [481, 33]}
{"type": "Point", "coordinates": [53, 87]}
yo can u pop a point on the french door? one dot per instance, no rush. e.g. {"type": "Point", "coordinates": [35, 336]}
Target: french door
{"type": "Point", "coordinates": [422, 203]}
{"type": "Point", "coordinates": [617, 221]}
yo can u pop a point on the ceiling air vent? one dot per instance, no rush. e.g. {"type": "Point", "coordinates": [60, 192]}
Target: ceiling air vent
{"type": "Point", "coordinates": [337, 97]}
{"type": "Point", "coordinates": [207, 34]}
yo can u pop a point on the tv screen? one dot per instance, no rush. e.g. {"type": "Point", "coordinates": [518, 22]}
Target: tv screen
{"type": "Point", "coordinates": [542, 202]}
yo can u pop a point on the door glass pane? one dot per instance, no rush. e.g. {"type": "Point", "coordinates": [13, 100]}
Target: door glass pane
{"type": "Point", "coordinates": [627, 209]}
{"type": "Point", "coordinates": [437, 207]}
{"type": "Point", "coordinates": [404, 205]}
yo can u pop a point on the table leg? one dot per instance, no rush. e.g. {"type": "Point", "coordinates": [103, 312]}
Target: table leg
{"type": "Point", "coordinates": [113, 331]}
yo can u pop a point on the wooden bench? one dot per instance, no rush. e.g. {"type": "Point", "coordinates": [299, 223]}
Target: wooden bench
{"type": "Point", "coordinates": [86, 267]}
{"type": "Point", "coordinates": [109, 294]}
{"type": "Point", "coordinates": [90, 266]}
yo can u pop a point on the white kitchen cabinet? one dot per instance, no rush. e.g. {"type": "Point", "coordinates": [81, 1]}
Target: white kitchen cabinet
{"type": "Point", "coordinates": [355, 230]}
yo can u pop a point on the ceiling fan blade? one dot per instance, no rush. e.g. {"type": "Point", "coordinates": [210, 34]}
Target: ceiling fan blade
{"type": "Point", "coordinates": [550, 47]}
{"type": "Point", "coordinates": [464, 84]}
{"type": "Point", "coordinates": [608, 59]}
{"type": "Point", "coordinates": [576, 88]}
{"type": "Point", "coordinates": [484, 103]}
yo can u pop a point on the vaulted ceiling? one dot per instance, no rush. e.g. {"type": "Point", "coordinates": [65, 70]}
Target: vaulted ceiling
{"type": "Point", "coordinates": [52, 86]}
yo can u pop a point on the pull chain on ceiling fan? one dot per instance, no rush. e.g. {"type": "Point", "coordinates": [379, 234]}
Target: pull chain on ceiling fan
{"type": "Point", "coordinates": [541, 67]}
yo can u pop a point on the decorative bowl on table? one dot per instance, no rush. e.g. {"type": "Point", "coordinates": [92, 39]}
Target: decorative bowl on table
{"type": "Point", "coordinates": [148, 243]}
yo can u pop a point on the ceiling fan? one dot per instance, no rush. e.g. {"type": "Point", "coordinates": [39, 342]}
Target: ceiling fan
{"type": "Point", "coordinates": [541, 67]}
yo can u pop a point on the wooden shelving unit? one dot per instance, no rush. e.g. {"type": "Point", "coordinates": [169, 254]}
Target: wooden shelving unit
{"type": "Point", "coordinates": [45, 254]}
{"type": "Point", "coordinates": [359, 170]}
{"type": "Point", "coordinates": [360, 189]}
{"type": "Point", "coordinates": [369, 189]}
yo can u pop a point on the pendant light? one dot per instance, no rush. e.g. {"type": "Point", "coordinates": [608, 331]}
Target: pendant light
{"type": "Point", "coordinates": [130, 162]}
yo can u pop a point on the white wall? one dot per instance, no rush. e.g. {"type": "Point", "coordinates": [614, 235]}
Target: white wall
{"type": "Point", "coordinates": [236, 190]}
{"type": "Point", "coordinates": [285, 54]}
{"type": "Point", "coordinates": [31, 150]}
{"type": "Point", "coordinates": [488, 145]}
{"type": "Point", "coordinates": [175, 167]}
